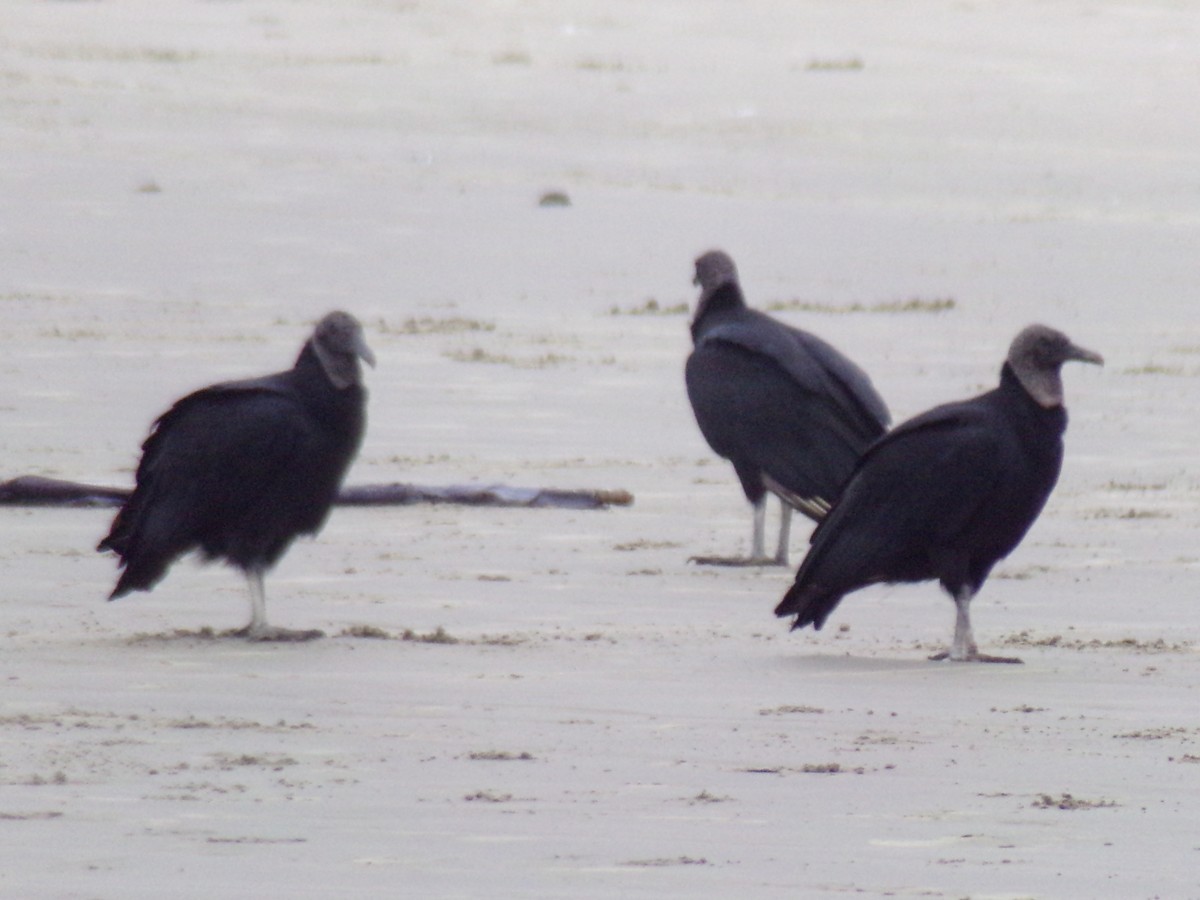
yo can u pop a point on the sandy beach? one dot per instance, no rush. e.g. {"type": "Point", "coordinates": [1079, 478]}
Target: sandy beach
{"type": "Point", "coordinates": [554, 703]}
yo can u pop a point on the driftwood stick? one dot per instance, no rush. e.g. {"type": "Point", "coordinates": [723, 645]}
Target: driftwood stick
{"type": "Point", "coordinates": [475, 495]}
{"type": "Point", "coordinates": [33, 490]}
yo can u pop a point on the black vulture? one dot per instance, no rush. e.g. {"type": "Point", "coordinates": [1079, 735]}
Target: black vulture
{"type": "Point", "coordinates": [239, 469]}
{"type": "Point", "coordinates": [947, 494]}
{"type": "Point", "coordinates": [788, 410]}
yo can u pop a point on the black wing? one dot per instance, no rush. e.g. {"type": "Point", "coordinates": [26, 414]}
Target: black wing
{"type": "Point", "coordinates": [848, 384]}
{"type": "Point", "coordinates": [775, 400]}
{"type": "Point", "coordinates": [754, 414]}
{"type": "Point", "coordinates": [814, 365]}
{"type": "Point", "coordinates": [913, 498]}
{"type": "Point", "coordinates": [237, 470]}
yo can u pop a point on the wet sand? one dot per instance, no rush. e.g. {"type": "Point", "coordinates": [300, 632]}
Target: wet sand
{"type": "Point", "coordinates": [549, 703]}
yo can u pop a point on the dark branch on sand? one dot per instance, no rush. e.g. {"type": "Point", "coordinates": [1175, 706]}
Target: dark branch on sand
{"type": "Point", "coordinates": [397, 494]}
{"type": "Point", "coordinates": [33, 490]}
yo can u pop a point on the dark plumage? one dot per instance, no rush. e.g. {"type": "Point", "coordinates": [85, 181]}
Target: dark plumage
{"type": "Point", "coordinates": [238, 470]}
{"type": "Point", "coordinates": [788, 410]}
{"type": "Point", "coordinates": [947, 494]}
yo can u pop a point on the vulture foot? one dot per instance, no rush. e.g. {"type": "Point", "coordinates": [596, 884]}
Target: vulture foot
{"type": "Point", "coordinates": [739, 561]}
{"type": "Point", "coordinates": [976, 656]}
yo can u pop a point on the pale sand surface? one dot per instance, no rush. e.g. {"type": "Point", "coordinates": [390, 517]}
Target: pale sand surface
{"type": "Point", "coordinates": [188, 186]}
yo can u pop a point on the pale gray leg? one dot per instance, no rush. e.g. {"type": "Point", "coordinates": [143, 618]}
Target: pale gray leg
{"type": "Point", "coordinates": [964, 649]}
{"type": "Point", "coordinates": [785, 533]}
{"type": "Point", "coordinates": [258, 629]}
{"type": "Point", "coordinates": [964, 646]}
{"type": "Point", "coordinates": [758, 540]}
{"type": "Point", "coordinates": [258, 604]}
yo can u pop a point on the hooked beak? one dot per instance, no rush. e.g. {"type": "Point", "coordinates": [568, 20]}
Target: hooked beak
{"type": "Point", "coordinates": [1082, 354]}
{"type": "Point", "coordinates": [363, 351]}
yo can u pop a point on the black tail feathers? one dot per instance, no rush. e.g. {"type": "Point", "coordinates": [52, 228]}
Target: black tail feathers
{"type": "Point", "coordinates": [139, 574]}
{"type": "Point", "coordinates": [809, 604]}
{"type": "Point", "coordinates": [141, 567]}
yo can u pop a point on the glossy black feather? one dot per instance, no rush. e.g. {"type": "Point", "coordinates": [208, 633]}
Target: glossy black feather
{"type": "Point", "coordinates": [943, 496]}
{"type": "Point", "coordinates": [777, 401]}
{"type": "Point", "coordinates": [238, 470]}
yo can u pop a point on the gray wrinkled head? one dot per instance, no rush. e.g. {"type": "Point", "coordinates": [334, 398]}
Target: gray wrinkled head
{"type": "Point", "coordinates": [719, 289]}
{"type": "Point", "coordinates": [714, 269]}
{"type": "Point", "coordinates": [339, 344]}
{"type": "Point", "coordinates": [1036, 357]}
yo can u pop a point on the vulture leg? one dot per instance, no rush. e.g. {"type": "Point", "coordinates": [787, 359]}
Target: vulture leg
{"type": "Point", "coordinates": [258, 629]}
{"type": "Point", "coordinates": [758, 539]}
{"type": "Point", "coordinates": [964, 648]}
{"type": "Point", "coordinates": [785, 533]}
{"type": "Point", "coordinates": [758, 556]}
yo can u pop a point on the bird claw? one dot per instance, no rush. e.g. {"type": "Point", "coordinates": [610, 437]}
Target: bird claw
{"type": "Point", "coordinates": [976, 656]}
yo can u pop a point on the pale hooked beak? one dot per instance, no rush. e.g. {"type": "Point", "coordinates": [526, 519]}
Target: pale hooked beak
{"type": "Point", "coordinates": [1082, 354]}
{"type": "Point", "coordinates": [363, 351]}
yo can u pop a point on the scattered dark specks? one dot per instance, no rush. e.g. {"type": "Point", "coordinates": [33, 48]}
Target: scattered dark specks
{"type": "Point", "coordinates": [790, 710]}
{"type": "Point", "coordinates": [706, 797]}
{"type": "Point", "coordinates": [179, 634]}
{"type": "Point", "coordinates": [366, 631]}
{"type": "Point", "coordinates": [501, 640]}
{"type": "Point", "coordinates": [59, 777]}
{"type": "Point", "coordinates": [847, 64]}
{"type": "Point", "coordinates": [1153, 734]}
{"type": "Point", "coordinates": [1157, 369]}
{"type": "Point", "coordinates": [643, 544]}
{"type": "Point", "coordinates": [1136, 486]}
{"type": "Point", "coordinates": [662, 861]}
{"type": "Point", "coordinates": [500, 755]}
{"type": "Point", "coordinates": [821, 768]}
{"type": "Point", "coordinates": [274, 761]}
{"type": "Point", "coordinates": [652, 308]}
{"type": "Point", "coordinates": [438, 636]}
{"type": "Point", "coordinates": [488, 797]}
{"type": "Point", "coordinates": [1068, 802]}
{"type": "Point", "coordinates": [911, 305]}
{"type": "Point", "coordinates": [1131, 513]}
{"type": "Point", "coordinates": [1154, 645]}
{"type": "Point", "coordinates": [429, 325]}
{"type": "Point", "coordinates": [827, 768]}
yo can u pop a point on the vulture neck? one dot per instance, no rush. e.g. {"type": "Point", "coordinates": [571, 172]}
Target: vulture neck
{"type": "Point", "coordinates": [1044, 386]}
{"type": "Point", "coordinates": [340, 368]}
{"type": "Point", "coordinates": [715, 304]}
